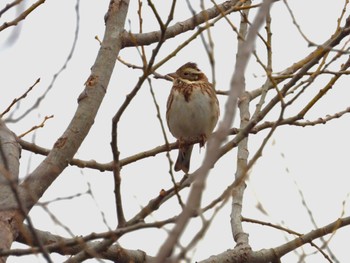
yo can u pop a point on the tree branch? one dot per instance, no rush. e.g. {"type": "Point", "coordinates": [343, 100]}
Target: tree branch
{"type": "Point", "coordinates": [34, 186]}
{"type": "Point", "coordinates": [9, 170]}
{"type": "Point", "coordinates": [270, 255]}
{"type": "Point", "coordinates": [21, 16]}
{"type": "Point", "coordinates": [240, 237]}
{"type": "Point", "coordinates": [141, 39]}
{"type": "Point", "coordinates": [200, 175]}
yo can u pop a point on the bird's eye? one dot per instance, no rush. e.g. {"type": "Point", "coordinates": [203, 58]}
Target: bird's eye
{"type": "Point", "coordinates": [186, 73]}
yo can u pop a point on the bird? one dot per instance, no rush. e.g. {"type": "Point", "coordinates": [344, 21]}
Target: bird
{"type": "Point", "coordinates": [192, 111]}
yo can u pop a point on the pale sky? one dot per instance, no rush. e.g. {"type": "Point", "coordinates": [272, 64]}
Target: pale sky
{"type": "Point", "coordinates": [315, 159]}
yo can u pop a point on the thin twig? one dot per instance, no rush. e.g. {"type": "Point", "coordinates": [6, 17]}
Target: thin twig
{"type": "Point", "coordinates": [19, 98]}
{"type": "Point", "coordinates": [191, 38]}
{"type": "Point", "coordinates": [21, 16]}
{"type": "Point", "coordinates": [116, 118]}
{"type": "Point", "coordinates": [41, 125]}
{"type": "Point", "coordinates": [38, 101]}
{"type": "Point", "coordinates": [287, 230]}
{"type": "Point", "coordinates": [323, 91]}
{"type": "Point", "coordinates": [166, 142]}
{"type": "Point", "coordinates": [310, 43]}
{"type": "Point", "coordinates": [143, 52]}
{"type": "Point", "coordinates": [9, 6]}
{"type": "Point", "coordinates": [200, 175]}
{"type": "Point", "coordinates": [131, 40]}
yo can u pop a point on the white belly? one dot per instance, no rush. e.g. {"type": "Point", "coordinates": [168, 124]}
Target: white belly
{"type": "Point", "coordinates": [193, 118]}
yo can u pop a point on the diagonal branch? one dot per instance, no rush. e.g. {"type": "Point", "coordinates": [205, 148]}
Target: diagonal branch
{"type": "Point", "coordinates": [116, 119]}
{"type": "Point", "coordinates": [20, 98]}
{"type": "Point", "coordinates": [39, 100]}
{"type": "Point", "coordinates": [272, 254]}
{"type": "Point", "coordinates": [21, 16]}
{"type": "Point", "coordinates": [130, 39]}
{"type": "Point", "coordinates": [9, 6]}
{"type": "Point", "coordinates": [34, 186]}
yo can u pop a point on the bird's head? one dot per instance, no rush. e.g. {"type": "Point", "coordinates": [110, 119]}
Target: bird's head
{"type": "Point", "coordinates": [189, 72]}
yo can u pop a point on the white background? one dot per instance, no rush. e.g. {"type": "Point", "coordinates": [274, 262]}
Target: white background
{"type": "Point", "coordinates": [314, 160]}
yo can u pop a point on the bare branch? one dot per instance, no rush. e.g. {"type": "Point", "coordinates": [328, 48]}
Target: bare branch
{"type": "Point", "coordinates": [116, 118]}
{"type": "Point", "coordinates": [297, 86]}
{"type": "Point", "coordinates": [312, 235]}
{"type": "Point", "coordinates": [310, 43]}
{"type": "Point", "coordinates": [130, 39]}
{"type": "Point", "coordinates": [38, 101]}
{"type": "Point", "coordinates": [41, 125]}
{"type": "Point", "coordinates": [161, 123]}
{"type": "Point", "coordinates": [66, 146]}
{"type": "Point", "coordinates": [240, 237]}
{"type": "Point", "coordinates": [200, 175]}
{"type": "Point", "coordinates": [9, 170]}
{"type": "Point", "coordinates": [21, 16]}
{"type": "Point", "coordinates": [19, 98]}
{"type": "Point", "coordinates": [323, 91]}
{"type": "Point", "coordinates": [9, 6]}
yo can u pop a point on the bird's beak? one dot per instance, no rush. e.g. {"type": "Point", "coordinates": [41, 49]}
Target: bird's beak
{"type": "Point", "coordinates": [172, 75]}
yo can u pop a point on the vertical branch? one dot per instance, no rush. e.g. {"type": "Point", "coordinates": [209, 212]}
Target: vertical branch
{"type": "Point", "coordinates": [208, 45]}
{"type": "Point", "coordinates": [270, 80]}
{"type": "Point", "coordinates": [209, 48]}
{"type": "Point", "coordinates": [242, 151]}
{"type": "Point", "coordinates": [245, 49]}
{"type": "Point", "coordinates": [116, 175]}
{"type": "Point", "coordinates": [11, 219]}
{"type": "Point", "coordinates": [176, 190]}
{"type": "Point", "coordinates": [9, 169]}
{"type": "Point", "coordinates": [214, 142]}
{"type": "Point", "coordinates": [143, 53]}
{"type": "Point", "coordinates": [147, 70]}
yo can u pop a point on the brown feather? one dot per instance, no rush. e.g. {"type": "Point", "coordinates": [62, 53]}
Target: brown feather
{"type": "Point", "coordinates": [190, 81]}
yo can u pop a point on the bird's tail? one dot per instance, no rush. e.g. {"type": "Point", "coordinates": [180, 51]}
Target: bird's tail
{"type": "Point", "coordinates": [183, 159]}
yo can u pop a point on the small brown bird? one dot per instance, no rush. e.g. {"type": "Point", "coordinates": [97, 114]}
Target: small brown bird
{"type": "Point", "coordinates": [192, 110]}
